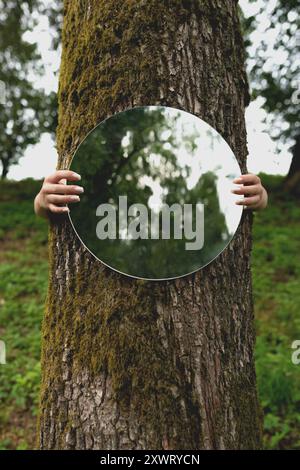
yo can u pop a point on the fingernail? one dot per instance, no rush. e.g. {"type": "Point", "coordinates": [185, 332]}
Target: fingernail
{"type": "Point", "coordinates": [238, 180]}
{"type": "Point", "coordinates": [77, 176]}
{"type": "Point", "coordinates": [66, 209]}
{"type": "Point", "coordinates": [79, 189]}
{"type": "Point", "coordinates": [75, 198]}
{"type": "Point", "coordinates": [236, 189]}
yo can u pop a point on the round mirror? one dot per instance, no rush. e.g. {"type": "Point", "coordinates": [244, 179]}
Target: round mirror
{"type": "Point", "coordinates": [157, 201]}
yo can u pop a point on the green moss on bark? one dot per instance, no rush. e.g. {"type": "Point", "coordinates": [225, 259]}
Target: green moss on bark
{"type": "Point", "coordinates": [106, 323]}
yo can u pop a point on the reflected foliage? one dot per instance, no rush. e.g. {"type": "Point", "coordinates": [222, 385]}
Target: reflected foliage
{"type": "Point", "coordinates": [25, 111]}
{"type": "Point", "coordinates": [138, 153]}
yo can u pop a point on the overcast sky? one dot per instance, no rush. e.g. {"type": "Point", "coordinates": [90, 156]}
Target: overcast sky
{"type": "Point", "coordinates": [40, 159]}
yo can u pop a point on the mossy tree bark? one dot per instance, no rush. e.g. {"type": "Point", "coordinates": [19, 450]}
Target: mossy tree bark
{"type": "Point", "coordinates": [129, 364]}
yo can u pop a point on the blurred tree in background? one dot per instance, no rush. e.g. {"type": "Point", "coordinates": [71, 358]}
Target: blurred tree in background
{"type": "Point", "coordinates": [274, 66]}
{"type": "Point", "coordinates": [27, 112]}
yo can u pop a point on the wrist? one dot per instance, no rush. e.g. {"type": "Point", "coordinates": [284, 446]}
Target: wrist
{"type": "Point", "coordinates": [264, 200]}
{"type": "Point", "coordinates": [39, 209]}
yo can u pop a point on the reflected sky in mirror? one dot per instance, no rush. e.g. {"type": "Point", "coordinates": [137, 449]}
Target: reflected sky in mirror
{"type": "Point", "coordinates": [156, 156]}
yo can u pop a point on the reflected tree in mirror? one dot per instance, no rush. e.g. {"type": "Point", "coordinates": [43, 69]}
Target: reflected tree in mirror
{"type": "Point", "coordinates": [157, 156]}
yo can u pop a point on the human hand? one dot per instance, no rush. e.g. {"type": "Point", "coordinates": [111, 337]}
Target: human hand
{"type": "Point", "coordinates": [55, 193]}
{"type": "Point", "coordinates": [256, 196]}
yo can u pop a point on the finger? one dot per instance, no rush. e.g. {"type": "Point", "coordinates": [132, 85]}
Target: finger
{"type": "Point", "coordinates": [246, 179]}
{"type": "Point", "coordinates": [58, 199]}
{"type": "Point", "coordinates": [62, 189]}
{"type": "Point", "coordinates": [248, 190]}
{"type": "Point", "coordinates": [58, 210]}
{"type": "Point", "coordinates": [248, 201]}
{"type": "Point", "coordinates": [59, 174]}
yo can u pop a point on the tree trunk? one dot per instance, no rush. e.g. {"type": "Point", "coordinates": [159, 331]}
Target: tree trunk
{"type": "Point", "coordinates": [5, 168]}
{"type": "Point", "coordinates": [292, 180]}
{"type": "Point", "coordinates": [132, 364]}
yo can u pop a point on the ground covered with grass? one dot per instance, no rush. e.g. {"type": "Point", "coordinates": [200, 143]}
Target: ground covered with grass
{"type": "Point", "coordinates": [276, 284]}
{"type": "Point", "coordinates": [23, 285]}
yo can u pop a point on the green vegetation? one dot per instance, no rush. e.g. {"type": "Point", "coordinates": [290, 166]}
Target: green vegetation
{"type": "Point", "coordinates": [276, 275]}
{"type": "Point", "coordinates": [23, 285]}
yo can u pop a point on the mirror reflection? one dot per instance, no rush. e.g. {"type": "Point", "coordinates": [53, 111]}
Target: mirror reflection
{"type": "Point", "coordinates": [157, 200]}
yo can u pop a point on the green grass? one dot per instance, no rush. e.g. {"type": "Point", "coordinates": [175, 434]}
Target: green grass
{"type": "Point", "coordinates": [276, 276]}
{"type": "Point", "coordinates": [23, 284]}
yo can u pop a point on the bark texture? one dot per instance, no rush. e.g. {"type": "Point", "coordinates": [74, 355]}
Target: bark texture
{"type": "Point", "coordinates": [129, 364]}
